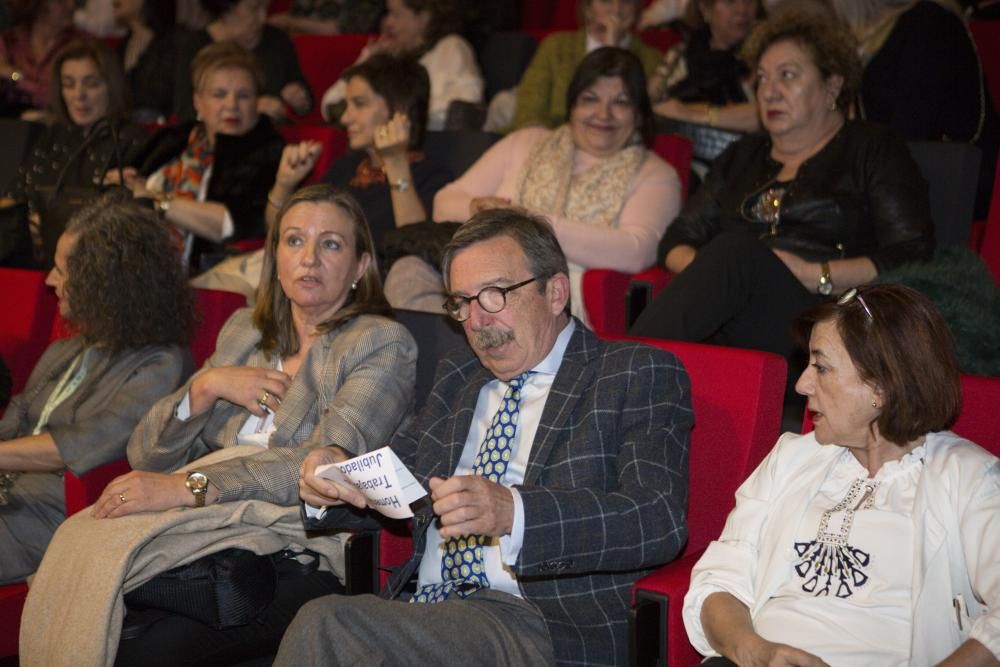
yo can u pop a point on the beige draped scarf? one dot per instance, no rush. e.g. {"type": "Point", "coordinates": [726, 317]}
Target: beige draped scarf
{"type": "Point", "coordinates": [594, 196]}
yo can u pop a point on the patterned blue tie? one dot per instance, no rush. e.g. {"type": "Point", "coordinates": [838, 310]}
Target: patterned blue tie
{"type": "Point", "coordinates": [463, 570]}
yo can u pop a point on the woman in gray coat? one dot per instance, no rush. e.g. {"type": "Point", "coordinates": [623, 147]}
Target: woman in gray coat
{"type": "Point", "coordinates": [123, 290]}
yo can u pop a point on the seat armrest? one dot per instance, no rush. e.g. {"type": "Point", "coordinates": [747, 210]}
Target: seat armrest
{"type": "Point", "coordinates": [361, 563]}
{"type": "Point", "coordinates": [656, 627]}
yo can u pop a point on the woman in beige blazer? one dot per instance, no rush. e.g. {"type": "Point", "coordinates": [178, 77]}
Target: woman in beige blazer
{"type": "Point", "coordinates": [317, 362]}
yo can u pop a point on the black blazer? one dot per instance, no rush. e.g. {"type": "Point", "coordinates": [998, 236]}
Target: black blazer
{"type": "Point", "coordinates": [242, 173]}
{"type": "Point", "coordinates": [862, 195]}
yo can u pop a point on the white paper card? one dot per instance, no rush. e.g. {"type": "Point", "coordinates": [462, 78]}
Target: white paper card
{"type": "Point", "coordinates": [381, 476]}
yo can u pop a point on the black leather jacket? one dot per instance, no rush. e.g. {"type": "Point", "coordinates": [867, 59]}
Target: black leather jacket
{"type": "Point", "coordinates": [862, 195]}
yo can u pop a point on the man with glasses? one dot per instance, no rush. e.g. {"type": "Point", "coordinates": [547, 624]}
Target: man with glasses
{"type": "Point", "coordinates": [557, 465]}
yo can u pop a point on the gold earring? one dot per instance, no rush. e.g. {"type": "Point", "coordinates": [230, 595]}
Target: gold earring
{"type": "Point", "coordinates": [874, 403]}
{"type": "Point", "coordinates": [833, 105]}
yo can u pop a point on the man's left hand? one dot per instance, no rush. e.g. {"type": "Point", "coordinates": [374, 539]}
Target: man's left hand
{"type": "Point", "coordinates": [472, 505]}
{"type": "Point", "coordinates": [141, 491]}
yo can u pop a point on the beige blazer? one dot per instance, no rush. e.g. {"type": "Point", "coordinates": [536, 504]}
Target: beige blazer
{"type": "Point", "coordinates": [354, 389]}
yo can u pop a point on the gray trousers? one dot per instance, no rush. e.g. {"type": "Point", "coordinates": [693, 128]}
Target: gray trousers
{"type": "Point", "coordinates": [487, 628]}
{"type": "Point", "coordinates": [37, 507]}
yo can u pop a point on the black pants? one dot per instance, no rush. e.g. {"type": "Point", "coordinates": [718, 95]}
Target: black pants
{"type": "Point", "coordinates": [172, 639]}
{"type": "Point", "coordinates": [735, 292]}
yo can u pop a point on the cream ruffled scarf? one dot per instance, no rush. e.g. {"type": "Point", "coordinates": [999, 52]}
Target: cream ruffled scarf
{"type": "Point", "coordinates": [593, 197]}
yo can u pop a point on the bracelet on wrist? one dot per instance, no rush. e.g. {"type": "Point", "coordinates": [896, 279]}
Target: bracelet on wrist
{"type": "Point", "coordinates": [162, 204]}
{"type": "Point", "coordinates": [399, 185]}
{"type": "Point", "coordinates": [711, 115]}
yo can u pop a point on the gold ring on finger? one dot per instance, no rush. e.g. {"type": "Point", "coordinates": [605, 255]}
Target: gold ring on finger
{"type": "Point", "coordinates": [263, 398]}
{"type": "Point", "coordinates": [121, 497]}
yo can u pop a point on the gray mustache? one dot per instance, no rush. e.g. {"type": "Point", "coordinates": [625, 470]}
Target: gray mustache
{"type": "Point", "coordinates": [493, 337]}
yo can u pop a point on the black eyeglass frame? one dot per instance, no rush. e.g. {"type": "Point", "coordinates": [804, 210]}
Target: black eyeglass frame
{"type": "Point", "coordinates": [454, 313]}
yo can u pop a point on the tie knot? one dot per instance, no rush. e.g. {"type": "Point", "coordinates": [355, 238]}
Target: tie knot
{"type": "Point", "coordinates": [518, 382]}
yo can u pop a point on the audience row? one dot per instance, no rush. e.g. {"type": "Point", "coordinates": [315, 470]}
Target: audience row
{"type": "Point", "coordinates": [569, 494]}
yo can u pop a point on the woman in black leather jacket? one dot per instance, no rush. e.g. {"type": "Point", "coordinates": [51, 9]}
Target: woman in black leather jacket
{"type": "Point", "coordinates": [815, 206]}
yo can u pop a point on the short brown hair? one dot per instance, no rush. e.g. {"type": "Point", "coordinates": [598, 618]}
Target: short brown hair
{"type": "Point", "coordinates": [899, 342]}
{"type": "Point", "coordinates": [273, 315]}
{"type": "Point", "coordinates": [827, 40]}
{"type": "Point", "coordinates": [225, 55]}
{"type": "Point", "coordinates": [119, 102]}
{"type": "Point", "coordinates": [404, 85]}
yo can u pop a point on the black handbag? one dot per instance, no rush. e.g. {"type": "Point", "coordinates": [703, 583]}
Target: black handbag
{"type": "Point", "coordinates": [57, 203]}
{"type": "Point", "coordinates": [223, 590]}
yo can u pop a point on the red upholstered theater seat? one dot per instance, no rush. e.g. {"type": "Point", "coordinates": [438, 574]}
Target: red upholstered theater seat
{"type": "Point", "coordinates": [606, 292]}
{"type": "Point", "coordinates": [737, 399]}
{"type": "Point", "coordinates": [214, 308]}
{"type": "Point", "coordinates": [323, 58]}
{"type": "Point", "coordinates": [29, 312]}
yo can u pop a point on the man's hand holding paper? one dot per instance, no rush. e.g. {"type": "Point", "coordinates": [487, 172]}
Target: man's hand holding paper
{"type": "Point", "coordinates": [381, 479]}
{"type": "Point", "coordinates": [322, 492]}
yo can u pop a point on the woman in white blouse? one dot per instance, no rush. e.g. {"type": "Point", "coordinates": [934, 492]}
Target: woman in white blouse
{"type": "Point", "coordinates": [427, 30]}
{"type": "Point", "coordinates": [873, 539]}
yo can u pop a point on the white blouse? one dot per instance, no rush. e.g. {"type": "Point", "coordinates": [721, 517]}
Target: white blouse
{"type": "Point", "coordinates": [849, 567]}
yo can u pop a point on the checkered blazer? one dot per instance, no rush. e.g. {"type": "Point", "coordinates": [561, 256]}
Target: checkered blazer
{"type": "Point", "coordinates": [605, 490]}
{"type": "Point", "coordinates": [354, 389]}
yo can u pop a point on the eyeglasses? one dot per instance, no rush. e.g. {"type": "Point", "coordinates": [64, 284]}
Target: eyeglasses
{"type": "Point", "coordinates": [852, 295]}
{"type": "Point", "coordinates": [492, 299]}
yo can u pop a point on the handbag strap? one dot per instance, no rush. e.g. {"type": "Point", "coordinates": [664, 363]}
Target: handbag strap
{"type": "Point", "coordinates": [100, 127]}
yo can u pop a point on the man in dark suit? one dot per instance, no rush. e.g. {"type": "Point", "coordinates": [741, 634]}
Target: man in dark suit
{"type": "Point", "coordinates": [535, 564]}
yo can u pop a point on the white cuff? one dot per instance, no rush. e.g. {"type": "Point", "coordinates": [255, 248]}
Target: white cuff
{"type": "Point", "coordinates": [183, 411]}
{"type": "Point", "coordinates": [314, 512]}
{"type": "Point", "coordinates": [227, 225]}
{"type": "Point", "coordinates": [510, 545]}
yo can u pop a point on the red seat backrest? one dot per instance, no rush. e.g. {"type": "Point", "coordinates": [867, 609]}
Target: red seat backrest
{"type": "Point", "coordinates": [214, 307]}
{"type": "Point", "coordinates": [737, 399]}
{"type": "Point", "coordinates": [978, 420]}
{"type": "Point", "coordinates": [676, 151]}
{"type": "Point", "coordinates": [604, 290]}
{"type": "Point", "coordinates": [334, 142]}
{"type": "Point", "coordinates": [661, 40]}
{"type": "Point", "coordinates": [29, 310]}
{"type": "Point", "coordinates": [322, 59]}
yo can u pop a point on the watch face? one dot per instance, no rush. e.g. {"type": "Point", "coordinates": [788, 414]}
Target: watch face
{"type": "Point", "coordinates": [825, 287]}
{"type": "Point", "coordinates": [197, 482]}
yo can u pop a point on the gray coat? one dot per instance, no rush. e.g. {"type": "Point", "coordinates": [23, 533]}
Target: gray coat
{"type": "Point", "coordinates": [90, 428]}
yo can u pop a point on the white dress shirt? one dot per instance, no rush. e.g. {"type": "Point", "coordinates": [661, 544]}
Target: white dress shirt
{"type": "Point", "coordinates": [501, 553]}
